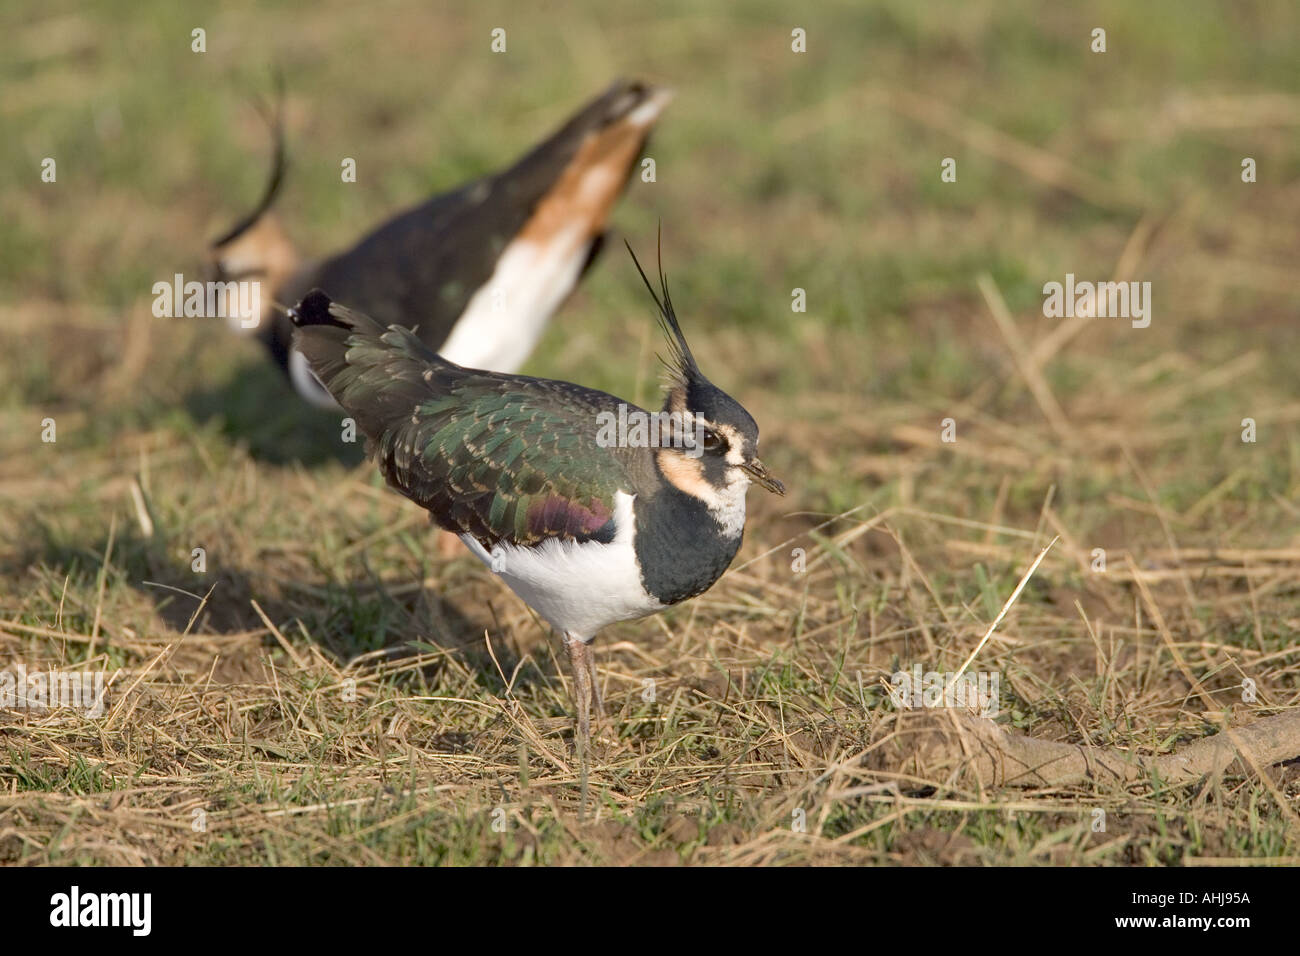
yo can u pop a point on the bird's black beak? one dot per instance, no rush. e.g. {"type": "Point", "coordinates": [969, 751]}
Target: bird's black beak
{"type": "Point", "coordinates": [758, 471]}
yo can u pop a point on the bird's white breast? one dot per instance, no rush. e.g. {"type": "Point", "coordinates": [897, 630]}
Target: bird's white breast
{"type": "Point", "coordinates": [307, 385]}
{"type": "Point", "coordinates": [577, 588]}
{"type": "Point", "coordinates": [506, 316]}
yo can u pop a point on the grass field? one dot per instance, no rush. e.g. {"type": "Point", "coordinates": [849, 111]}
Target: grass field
{"type": "Point", "coordinates": [231, 734]}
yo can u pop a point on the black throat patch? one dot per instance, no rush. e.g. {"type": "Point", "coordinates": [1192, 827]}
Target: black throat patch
{"type": "Point", "coordinates": [680, 545]}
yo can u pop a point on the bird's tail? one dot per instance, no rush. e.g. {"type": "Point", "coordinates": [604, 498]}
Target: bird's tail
{"type": "Point", "coordinates": [609, 130]}
{"type": "Point", "coordinates": [378, 375]}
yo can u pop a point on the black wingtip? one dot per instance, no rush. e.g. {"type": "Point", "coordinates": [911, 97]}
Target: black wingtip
{"type": "Point", "coordinates": [314, 309]}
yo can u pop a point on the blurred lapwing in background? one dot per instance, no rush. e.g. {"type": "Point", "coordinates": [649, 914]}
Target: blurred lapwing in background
{"type": "Point", "coordinates": [477, 271]}
{"type": "Point", "coordinates": [585, 530]}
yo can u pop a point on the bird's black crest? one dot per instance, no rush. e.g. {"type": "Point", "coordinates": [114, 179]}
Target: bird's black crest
{"type": "Point", "coordinates": [683, 365]}
{"type": "Point", "coordinates": [690, 387]}
{"type": "Point", "coordinates": [278, 164]}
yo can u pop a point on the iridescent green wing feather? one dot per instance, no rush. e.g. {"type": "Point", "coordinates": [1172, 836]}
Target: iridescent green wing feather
{"type": "Point", "coordinates": [504, 458]}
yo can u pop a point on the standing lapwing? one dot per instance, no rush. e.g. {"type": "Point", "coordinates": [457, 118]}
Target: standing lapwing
{"type": "Point", "coordinates": [586, 530]}
{"type": "Point", "coordinates": [477, 271]}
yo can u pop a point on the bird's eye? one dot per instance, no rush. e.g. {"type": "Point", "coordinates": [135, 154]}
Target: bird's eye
{"type": "Point", "coordinates": [711, 441]}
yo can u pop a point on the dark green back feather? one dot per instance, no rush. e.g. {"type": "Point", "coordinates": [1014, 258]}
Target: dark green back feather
{"type": "Point", "coordinates": [505, 458]}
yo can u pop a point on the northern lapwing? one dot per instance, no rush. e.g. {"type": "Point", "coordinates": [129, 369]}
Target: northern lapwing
{"type": "Point", "coordinates": [585, 529]}
{"type": "Point", "coordinates": [479, 270]}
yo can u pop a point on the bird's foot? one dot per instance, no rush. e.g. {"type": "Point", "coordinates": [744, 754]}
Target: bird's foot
{"type": "Point", "coordinates": [586, 691]}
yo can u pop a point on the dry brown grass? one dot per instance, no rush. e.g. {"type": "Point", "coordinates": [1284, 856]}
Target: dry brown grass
{"type": "Point", "coordinates": [768, 689]}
